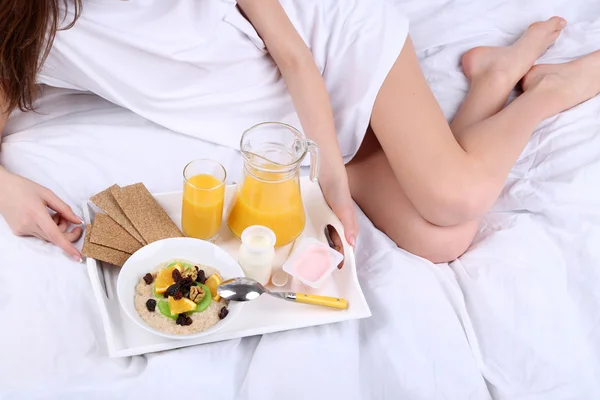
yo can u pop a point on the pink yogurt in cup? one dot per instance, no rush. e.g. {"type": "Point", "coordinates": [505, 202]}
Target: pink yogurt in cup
{"type": "Point", "coordinates": [312, 262]}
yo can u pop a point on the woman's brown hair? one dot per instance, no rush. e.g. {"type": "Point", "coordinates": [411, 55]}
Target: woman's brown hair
{"type": "Point", "coordinates": [27, 31]}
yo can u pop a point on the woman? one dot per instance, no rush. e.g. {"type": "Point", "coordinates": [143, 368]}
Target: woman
{"type": "Point", "coordinates": [347, 70]}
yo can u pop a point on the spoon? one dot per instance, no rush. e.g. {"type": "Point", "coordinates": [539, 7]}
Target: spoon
{"type": "Point", "coordinates": [335, 242]}
{"type": "Point", "coordinates": [246, 289]}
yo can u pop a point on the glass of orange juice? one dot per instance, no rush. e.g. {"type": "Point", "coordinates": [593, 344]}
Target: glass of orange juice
{"type": "Point", "coordinates": [203, 198]}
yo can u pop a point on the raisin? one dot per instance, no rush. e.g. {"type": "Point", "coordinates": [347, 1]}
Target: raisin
{"type": "Point", "coordinates": [223, 313]}
{"type": "Point", "coordinates": [176, 275]}
{"type": "Point", "coordinates": [201, 276]}
{"type": "Point", "coordinates": [186, 282]}
{"type": "Point", "coordinates": [151, 305]}
{"type": "Point", "coordinates": [171, 290]}
{"type": "Point", "coordinates": [178, 295]}
{"type": "Point", "coordinates": [181, 319]}
{"type": "Point", "coordinates": [188, 321]}
{"type": "Point", "coordinates": [148, 278]}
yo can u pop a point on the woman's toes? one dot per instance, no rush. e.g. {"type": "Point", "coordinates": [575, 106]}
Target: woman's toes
{"type": "Point", "coordinates": [549, 26]}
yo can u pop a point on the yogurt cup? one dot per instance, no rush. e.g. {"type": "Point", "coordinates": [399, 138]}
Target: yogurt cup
{"type": "Point", "coordinates": [312, 262]}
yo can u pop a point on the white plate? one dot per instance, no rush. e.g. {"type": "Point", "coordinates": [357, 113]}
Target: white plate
{"type": "Point", "coordinates": [266, 314]}
{"type": "Point", "coordinates": [149, 257]}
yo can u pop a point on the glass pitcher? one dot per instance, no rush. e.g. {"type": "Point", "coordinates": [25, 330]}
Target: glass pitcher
{"type": "Point", "coordinates": [269, 193]}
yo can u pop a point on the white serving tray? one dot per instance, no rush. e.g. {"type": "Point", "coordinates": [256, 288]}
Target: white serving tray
{"type": "Point", "coordinates": [264, 315]}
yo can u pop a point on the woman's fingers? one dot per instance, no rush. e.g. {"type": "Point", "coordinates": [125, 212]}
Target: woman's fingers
{"type": "Point", "coordinates": [347, 215]}
{"type": "Point", "coordinates": [61, 222]}
{"type": "Point", "coordinates": [336, 192]}
{"type": "Point", "coordinates": [53, 234]}
{"type": "Point", "coordinates": [63, 226]}
{"type": "Point", "coordinates": [55, 203]}
{"type": "Point", "coordinates": [73, 235]}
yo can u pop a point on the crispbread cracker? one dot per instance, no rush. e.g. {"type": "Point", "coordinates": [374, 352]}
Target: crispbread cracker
{"type": "Point", "coordinates": [108, 233]}
{"type": "Point", "coordinates": [144, 212]}
{"type": "Point", "coordinates": [108, 204]}
{"type": "Point", "coordinates": [101, 253]}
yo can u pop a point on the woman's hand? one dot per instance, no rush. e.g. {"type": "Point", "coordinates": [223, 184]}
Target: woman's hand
{"type": "Point", "coordinates": [334, 184]}
{"type": "Point", "coordinates": [24, 204]}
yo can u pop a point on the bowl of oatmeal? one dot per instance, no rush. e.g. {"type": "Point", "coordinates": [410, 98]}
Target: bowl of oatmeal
{"type": "Point", "coordinates": [169, 287]}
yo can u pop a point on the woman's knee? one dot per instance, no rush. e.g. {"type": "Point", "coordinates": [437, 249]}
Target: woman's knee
{"type": "Point", "coordinates": [438, 244]}
{"type": "Point", "coordinates": [451, 206]}
{"type": "Point", "coordinates": [377, 192]}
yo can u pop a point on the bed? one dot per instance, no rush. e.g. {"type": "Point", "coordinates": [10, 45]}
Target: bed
{"type": "Point", "coordinates": [516, 317]}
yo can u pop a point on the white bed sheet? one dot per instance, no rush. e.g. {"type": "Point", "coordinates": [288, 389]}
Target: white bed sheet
{"type": "Point", "coordinates": [516, 318]}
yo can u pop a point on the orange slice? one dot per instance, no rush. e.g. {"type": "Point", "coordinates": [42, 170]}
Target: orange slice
{"type": "Point", "coordinates": [164, 279]}
{"type": "Point", "coordinates": [181, 306]}
{"type": "Point", "coordinates": [213, 283]}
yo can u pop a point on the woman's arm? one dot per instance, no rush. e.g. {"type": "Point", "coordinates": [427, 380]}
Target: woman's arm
{"type": "Point", "coordinates": [301, 75]}
{"type": "Point", "coordinates": [311, 100]}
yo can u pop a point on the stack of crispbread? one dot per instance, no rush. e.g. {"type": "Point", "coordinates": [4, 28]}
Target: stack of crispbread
{"type": "Point", "coordinates": [132, 218]}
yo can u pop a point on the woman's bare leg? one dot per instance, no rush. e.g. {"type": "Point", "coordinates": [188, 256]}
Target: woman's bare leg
{"type": "Point", "coordinates": [431, 190]}
{"type": "Point", "coordinates": [376, 190]}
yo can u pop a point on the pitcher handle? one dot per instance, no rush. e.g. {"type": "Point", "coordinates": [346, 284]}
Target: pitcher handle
{"type": "Point", "coordinates": [313, 149]}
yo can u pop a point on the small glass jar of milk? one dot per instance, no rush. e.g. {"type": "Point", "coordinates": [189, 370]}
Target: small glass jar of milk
{"type": "Point", "coordinates": [257, 252]}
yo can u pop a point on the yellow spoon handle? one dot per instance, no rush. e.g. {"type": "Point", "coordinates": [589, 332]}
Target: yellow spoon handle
{"type": "Point", "coordinates": [333, 302]}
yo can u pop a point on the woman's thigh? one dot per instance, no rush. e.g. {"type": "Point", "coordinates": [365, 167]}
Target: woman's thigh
{"type": "Point", "coordinates": [377, 192]}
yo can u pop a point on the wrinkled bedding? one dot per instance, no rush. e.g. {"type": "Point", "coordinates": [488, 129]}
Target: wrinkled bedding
{"type": "Point", "coordinates": [517, 317]}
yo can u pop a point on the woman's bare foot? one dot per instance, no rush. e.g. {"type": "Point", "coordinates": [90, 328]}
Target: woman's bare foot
{"type": "Point", "coordinates": [509, 64]}
{"type": "Point", "coordinates": [564, 86]}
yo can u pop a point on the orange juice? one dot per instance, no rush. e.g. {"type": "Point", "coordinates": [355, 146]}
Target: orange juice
{"type": "Point", "coordinates": [202, 213]}
{"type": "Point", "coordinates": [276, 205]}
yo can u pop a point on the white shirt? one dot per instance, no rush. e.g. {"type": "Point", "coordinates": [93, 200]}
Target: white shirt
{"type": "Point", "coordinates": [199, 68]}
{"type": "Point", "coordinates": [194, 66]}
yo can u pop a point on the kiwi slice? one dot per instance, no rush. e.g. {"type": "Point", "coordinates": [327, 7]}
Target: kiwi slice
{"type": "Point", "coordinates": [183, 265]}
{"type": "Point", "coordinates": [163, 307]}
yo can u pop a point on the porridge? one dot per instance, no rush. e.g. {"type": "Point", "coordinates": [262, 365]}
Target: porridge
{"type": "Point", "coordinates": [180, 298]}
